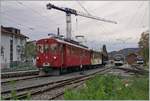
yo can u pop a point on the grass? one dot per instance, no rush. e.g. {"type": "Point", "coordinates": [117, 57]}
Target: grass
{"type": "Point", "coordinates": [109, 87]}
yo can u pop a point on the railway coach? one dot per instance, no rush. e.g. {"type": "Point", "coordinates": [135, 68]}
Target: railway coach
{"type": "Point", "coordinates": [58, 55]}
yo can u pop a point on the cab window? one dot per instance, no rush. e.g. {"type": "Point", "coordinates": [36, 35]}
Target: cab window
{"type": "Point", "coordinates": [46, 48]}
{"type": "Point", "coordinates": [53, 47]}
{"type": "Point", "coordinates": [40, 48]}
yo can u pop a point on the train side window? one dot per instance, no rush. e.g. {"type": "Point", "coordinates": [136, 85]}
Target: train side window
{"type": "Point", "coordinates": [60, 47]}
{"type": "Point", "coordinates": [83, 53]}
{"type": "Point", "coordinates": [68, 50]}
{"type": "Point", "coordinates": [72, 50]}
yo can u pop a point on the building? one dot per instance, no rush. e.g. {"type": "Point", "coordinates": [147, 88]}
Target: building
{"type": "Point", "coordinates": [12, 46]}
{"type": "Point", "coordinates": [131, 58]}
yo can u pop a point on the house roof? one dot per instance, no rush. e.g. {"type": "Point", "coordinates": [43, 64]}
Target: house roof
{"type": "Point", "coordinates": [132, 54]}
{"type": "Point", "coordinates": [4, 30]}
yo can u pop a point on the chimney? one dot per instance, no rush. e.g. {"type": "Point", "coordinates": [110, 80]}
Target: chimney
{"type": "Point", "coordinates": [58, 31]}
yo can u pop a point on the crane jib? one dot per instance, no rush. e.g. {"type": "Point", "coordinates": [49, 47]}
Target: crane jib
{"type": "Point", "coordinates": [73, 11]}
{"type": "Point", "coordinates": [67, 10]}
{"type": "Point", "coordinates": [70, 11]}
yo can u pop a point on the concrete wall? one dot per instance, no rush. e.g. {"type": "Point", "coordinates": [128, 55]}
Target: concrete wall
{"type": "Point", "coordinates": [5, 42]}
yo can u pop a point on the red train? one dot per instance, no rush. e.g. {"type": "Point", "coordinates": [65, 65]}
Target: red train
{"type": "Point", "coordinates": [60, 55]}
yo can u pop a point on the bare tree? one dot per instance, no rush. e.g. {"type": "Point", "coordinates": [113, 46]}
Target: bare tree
{"type": "Point", "coordinates": [144, 46]}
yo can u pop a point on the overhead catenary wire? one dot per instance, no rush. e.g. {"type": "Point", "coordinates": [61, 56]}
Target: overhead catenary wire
{"type": "Point", "coordinates": [19, 21]}
{"type": "Point", "coordinates": [102, 27]}
{"type": "Point", "coordinates": [8, 16]}
{"type": "Point", "coordinates": [43, 18]}
{"type": "Point", "coordinates": [31, 28]}
{"type": "Point", "coordinates": [142, 24]}
{"type": "Point", "coordinates": [12, 19]}
{"type": "Point", "coordinates": [31, 9]}
{"type": "Point", "coordinates": [83, 7]}
{"type": "Point", "coordinates": [139, 15]}
{"type": "Point", "coordinates": [135, 14]}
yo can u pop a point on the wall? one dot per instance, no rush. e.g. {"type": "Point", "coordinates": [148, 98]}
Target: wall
{"type": "Point", "coordinates": [5, 42]}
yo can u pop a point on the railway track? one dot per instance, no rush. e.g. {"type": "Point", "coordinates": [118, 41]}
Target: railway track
{"type": "Point", "coordinates": [19, 74]}
{"type": "Point", "coordinates": [135, 70]}
{"type": "Point", "coordinates": [7, 80]}
{"type": "Point", "coordinates": [50, 86]}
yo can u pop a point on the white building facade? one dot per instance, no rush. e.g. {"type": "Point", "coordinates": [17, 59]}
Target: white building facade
{"type": "Point", "coordinates": [12, 46]}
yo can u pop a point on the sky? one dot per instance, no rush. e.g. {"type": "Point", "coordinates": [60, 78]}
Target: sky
{"type": "Point", "coordinates": [36, 21]}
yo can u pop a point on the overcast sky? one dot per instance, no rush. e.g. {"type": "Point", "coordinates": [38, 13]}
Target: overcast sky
{"type": "Point", "coordinates": [35, 21]}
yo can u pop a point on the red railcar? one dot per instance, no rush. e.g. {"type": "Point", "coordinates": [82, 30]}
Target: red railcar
{"type": "Point", "coordinates": [57, 54]}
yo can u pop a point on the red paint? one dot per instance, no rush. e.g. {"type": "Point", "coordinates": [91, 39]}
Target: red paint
{"type": "Point", "coordinates": [65, 56]}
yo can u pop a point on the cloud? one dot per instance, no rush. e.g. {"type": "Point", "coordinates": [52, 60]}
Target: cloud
{"type": "Point", "coordinates": [36, 21]}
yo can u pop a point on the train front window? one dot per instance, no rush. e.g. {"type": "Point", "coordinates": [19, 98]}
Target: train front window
{"type": "Point", "coordinates": [53, 47]}
{"type": "Point", "coordinates": [40, 48]}
{"type": "Point", "coordinates": [46, 48]}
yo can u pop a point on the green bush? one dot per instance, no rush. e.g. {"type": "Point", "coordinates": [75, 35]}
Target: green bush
{"type": "Point", "coordinates": [110, 87]}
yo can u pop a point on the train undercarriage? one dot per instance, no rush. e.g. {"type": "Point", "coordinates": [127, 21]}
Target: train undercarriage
{"type": "Point", "coordinates": [64, 70]}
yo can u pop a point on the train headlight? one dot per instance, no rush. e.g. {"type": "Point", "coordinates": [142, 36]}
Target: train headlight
{"type": "Point", "coordinates": [46, 64]}
{"type": "Point", "coordinates": [37, 58]}
{"type": "Point", "coordinates": [54, 57]}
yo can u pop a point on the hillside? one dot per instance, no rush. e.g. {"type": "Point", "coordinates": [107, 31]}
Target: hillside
{"type": "Point", "coordinates": [125, 51]}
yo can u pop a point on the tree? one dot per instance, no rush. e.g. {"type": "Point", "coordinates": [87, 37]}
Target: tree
{"type": "Point", "coordinates": [30, 50]}
{"type": "Point", "coordinates": [104, 54]}
{"type": "Point", "coordinates": [144, 46]}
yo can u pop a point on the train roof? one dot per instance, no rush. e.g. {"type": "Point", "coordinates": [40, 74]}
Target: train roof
{"type": "Point", "coordinates": [73, 43]}
{"type": "Point", "coordinates": [68, 42]}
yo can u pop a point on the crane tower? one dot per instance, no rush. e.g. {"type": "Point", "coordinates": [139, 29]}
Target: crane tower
{"type": "Point", "coordinates": [70, 11]}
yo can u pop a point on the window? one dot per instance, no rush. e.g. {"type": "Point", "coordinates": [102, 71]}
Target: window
{"type": "Point", "coordinates": [46, 48]}
{"type": "Point", "coordinates": [11, 50]}
{"type": "Point", "coordinates": [40, 48]}
{"type": "Point", "coordinates": [68, 49]}
{"type": "Point", "coordinates": [60, 48]}
{"type": "Point", "coordinates": [53, 47]}
{"type": "Point", "coordinates": [2, 51]}
{"type": "Point", "coordinates": [16, 40]}
{"type": "Point", "coordinates": [72, 50]}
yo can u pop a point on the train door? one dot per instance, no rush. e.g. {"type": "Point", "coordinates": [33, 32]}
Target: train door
{"type": "Point", "coordinates": [81, 58]}
{"type": "Point", "coordinates": [62, 54]}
